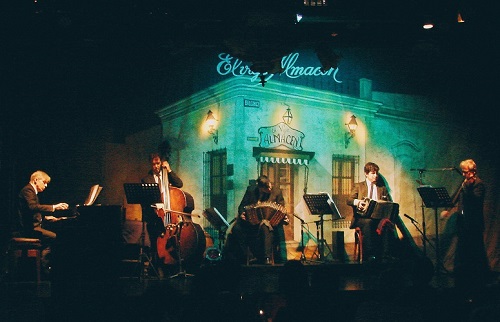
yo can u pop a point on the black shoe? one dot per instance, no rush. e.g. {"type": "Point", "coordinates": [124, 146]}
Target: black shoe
{"type": "Point", "coordinates": [253, 260]}
{"type": "Point", "coordinates": [371, 260]}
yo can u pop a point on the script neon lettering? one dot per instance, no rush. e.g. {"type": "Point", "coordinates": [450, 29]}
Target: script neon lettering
{"type": "Point", "coordinates": [229, 65]}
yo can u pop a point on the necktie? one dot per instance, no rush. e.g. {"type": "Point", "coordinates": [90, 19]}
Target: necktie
{"type": "Point", "coordinates": [371, 191]}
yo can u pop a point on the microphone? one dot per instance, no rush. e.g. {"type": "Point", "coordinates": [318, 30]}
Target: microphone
{"type": "Point", "coordinates": [301, 221]}
{"type": "Point", "coordinates": [412, 220]}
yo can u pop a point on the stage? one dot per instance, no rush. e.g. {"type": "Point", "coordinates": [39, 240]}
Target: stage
{"type": "Point", "coordinates": [329, 290]}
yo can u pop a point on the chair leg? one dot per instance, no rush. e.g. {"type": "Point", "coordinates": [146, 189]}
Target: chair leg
{"type": "Point", "coordinates": [38, 266]}
{"type": "Point", "coordinates": [358, 246]}
{"type": "Point", "coordinates": [248, 256]}
{"type": "Point", "coordinates": [360, 254]}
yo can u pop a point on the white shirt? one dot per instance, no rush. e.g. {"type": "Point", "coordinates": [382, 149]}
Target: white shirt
{"type": "Point", "coordinates": [374, 193]}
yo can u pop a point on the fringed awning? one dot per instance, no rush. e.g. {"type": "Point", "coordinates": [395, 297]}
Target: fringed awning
{"type": "Point", "coordinates": [264, 155]}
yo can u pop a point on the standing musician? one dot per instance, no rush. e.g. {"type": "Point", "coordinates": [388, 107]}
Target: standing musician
{"type": "Point", "coordinates": [471, 263]}
{"type": "Point", "coordinates": [258, 238]}
{"type": "Point", "coordinates": [370, 189]}
{"type": "Point", "coordinates": [155, 225]}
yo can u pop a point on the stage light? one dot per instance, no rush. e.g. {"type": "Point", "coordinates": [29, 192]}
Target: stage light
{"type": "Point", "coordinates": [428, 25]}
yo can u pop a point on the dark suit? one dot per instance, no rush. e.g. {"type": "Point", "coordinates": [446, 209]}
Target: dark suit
{"type": "Point", "coordinates": [30, 211]}
{"type": "Point", "coordinates": [471, 266]}
{"type": "Point", "coordinates": [259, 238]}
{"type": "Point", "coordinates": [372, 242]}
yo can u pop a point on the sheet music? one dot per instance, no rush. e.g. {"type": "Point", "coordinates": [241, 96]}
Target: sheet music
{"type": "Point", "coordinates": [93, 194]}
{"type": "Point", "coordinates": [215, 218]}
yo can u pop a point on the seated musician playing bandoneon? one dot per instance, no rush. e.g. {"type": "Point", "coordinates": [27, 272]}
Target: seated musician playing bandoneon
{"type": "Point", "coordinates": [258, 237]}
{"type": "Point", "coordinates": [369, 189]}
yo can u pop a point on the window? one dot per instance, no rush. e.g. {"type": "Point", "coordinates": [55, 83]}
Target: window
{"type": "Point", "coordinates": [344, 175]}
{"type": "Point", "coordinates": [215, 180]}
{"type": "Point", "coordinates": [281, 175]}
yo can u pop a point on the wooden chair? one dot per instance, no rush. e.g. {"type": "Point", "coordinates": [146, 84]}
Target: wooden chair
{"type": "Point", "coordinates": [21, 249]}
{"type": "Point", "coordinates": [358, 245]}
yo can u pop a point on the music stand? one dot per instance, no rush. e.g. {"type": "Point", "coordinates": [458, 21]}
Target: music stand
{"type": "Point", "coordinates": [435, 198]}
{"type": "Point", "coordinates": [220, 223]}
{"type": "Point", "coordinates": [143, 193]}
{"type": "Point", "coordinates": [321, 204]}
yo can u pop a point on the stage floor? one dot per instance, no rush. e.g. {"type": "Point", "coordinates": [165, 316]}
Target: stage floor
{"type": "Point", "coordinates": [332, 287]}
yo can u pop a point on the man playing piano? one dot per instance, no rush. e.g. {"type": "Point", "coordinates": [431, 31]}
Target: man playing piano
{"type": "Point", "coordinates": [32, 214]}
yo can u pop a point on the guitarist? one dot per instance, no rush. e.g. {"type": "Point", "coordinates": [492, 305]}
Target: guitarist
{"type": "Point", "coordinates": [370, 189]}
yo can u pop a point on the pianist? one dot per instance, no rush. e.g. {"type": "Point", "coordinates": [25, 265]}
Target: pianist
{"type": "Point", "coordinates": [32, 214]}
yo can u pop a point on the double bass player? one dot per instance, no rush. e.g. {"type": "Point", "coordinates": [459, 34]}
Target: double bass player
{"type": "Point", "coordinates": [155, 225]}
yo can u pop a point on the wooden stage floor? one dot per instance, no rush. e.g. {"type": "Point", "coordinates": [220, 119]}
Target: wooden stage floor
{"type": "Point", "coordinates": [331, 291]}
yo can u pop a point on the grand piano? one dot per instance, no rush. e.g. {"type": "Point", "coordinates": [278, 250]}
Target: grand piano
{"type": "Point", "coordinates": [88, 244]}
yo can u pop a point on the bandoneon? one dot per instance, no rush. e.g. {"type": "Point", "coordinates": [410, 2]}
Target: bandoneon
{"type": "Point", "coordinates": [271, 211]}
{"type": "Point", "coordinates": [379, 209]}
{"type": "Point", "coordinates": [368, 209]}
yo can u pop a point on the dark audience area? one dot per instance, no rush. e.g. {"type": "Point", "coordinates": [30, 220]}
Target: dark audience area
{"type": "Point", "coordinates": [223, 291]}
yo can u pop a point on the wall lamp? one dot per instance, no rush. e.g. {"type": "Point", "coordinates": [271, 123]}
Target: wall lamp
{"type": "Point", "coordinates": [211, 122]}
{"type": "Point", "coordinates": [352, 126]}
{"type": "Point", "coordinates": [288, 117]}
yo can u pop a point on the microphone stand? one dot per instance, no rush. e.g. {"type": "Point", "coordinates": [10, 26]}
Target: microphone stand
{"type": "Point", "coordinates": [421, 183]}
{"type": "Point", "coordinates": [302, 247]}
{"type": "Point", "coordinates": [415, 224]}
{"type": "Point", "coordinates": [439, 263]}
{"type": "Point", "coordinates": [423, 232]}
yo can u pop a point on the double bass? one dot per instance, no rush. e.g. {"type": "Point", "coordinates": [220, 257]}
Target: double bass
{"type": "Point", "coordinates": [184, 240]}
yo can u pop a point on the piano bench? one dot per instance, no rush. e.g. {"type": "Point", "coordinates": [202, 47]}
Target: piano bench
{"type": "Point", "coordinates": [20, 250]}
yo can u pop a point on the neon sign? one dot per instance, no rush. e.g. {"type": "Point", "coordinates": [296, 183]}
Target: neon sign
{"type": "Point", "coordinates": [230, 65]}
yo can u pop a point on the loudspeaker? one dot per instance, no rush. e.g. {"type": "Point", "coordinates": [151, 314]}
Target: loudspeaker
{"type": "Point", "coordinates": [338, 247]}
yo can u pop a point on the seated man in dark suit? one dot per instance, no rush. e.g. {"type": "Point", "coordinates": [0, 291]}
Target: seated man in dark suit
{"type": "Point", "coordinates": [32, 214]}
{"type": "Point", "coordinates": [372, 188]}
{"type": "Point", "coordinates": [259, 238]}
